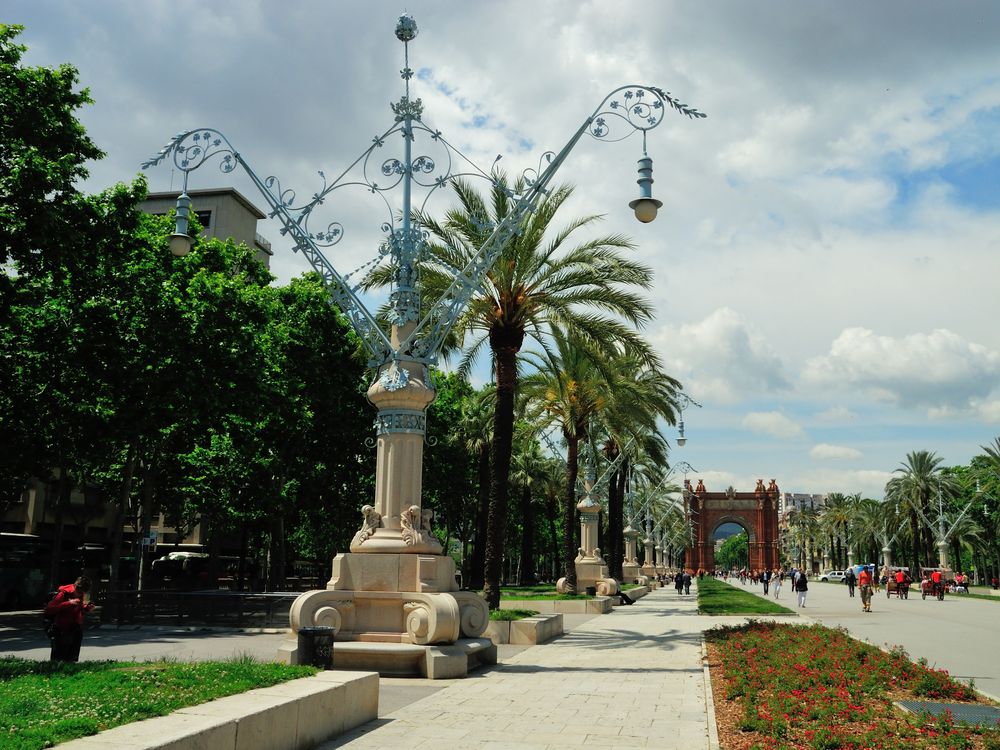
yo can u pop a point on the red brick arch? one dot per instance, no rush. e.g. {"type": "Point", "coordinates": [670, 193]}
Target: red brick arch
{"type": "Point", "coordinates": [756, 511]}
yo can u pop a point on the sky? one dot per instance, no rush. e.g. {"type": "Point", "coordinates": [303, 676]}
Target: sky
{"type": "Point", "coordinates": [828, 253]}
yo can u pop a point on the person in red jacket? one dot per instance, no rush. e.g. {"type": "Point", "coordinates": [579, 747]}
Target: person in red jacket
{"type": "Point", "coordinates": [865, 584]}
{"type": "Point", "coordinates": [66, 612]}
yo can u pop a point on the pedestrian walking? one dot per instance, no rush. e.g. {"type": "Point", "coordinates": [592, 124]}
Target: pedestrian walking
{"type": "Point", "coordinates": [776, 578]}
{"type": "Point", "coordinates": [865, 584]}
{"type": "Point", "coordinates": [686, 580]}
{"type": "Point", "coordinates": [64, 618]}
{"type": "Point", "coordinates": [679, 582]}
{"type": "Point", "coordinates": [801, 587]}
{"type": "Point", "coordinates": [851, 580]}
{"type": "Point", "coordinates": [765, 579]}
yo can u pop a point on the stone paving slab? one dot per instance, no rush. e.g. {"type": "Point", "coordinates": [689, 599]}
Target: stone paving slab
{"type": "Point", "coordinates": [632, 678]}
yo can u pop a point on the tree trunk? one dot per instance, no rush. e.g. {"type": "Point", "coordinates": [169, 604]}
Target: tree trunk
{"type": "Point", "coordinates": [570, 546]}
{"type": "Point", "coordinates": [145, 517]}
{"type": "Point", "coordinates": [526, 574]}
{"type": "Point", "coordinates": [124, 493]}
{"type": "Point", "coordinates": [553, 512]}
{"type": "Point", "coordinates": [914, 545]}
{"type": "Point", "coordinates": [63, 489]}
{"type": "Point", "coordinates": [241, 572]}
{"type": "Point", "coordinates": [477, 563]}
{"type": "Point", "coordinates": [616, 523]}
{"type": "Point", "coordinates": [276, 555]}
{"type": "Point", "coordinates": [503, 440]}
{"type": "Point", "coordinates": [930, 548]}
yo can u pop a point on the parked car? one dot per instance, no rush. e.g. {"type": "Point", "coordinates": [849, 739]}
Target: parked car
{"type": "Point", "coordinates": [832, 575]}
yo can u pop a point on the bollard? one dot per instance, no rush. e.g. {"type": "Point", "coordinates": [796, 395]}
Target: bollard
{"type": "Point", "coordinates": [316, 646]}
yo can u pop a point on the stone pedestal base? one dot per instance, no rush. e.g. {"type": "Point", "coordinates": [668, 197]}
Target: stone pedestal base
{"type": "Point", "coordinates": [393, 572]}
{"type": "Point", "coordinates": [630, 572]}
{"type": "Point", "coordinates": [590, 572]}
{"type": "Point", "coordinates": [406, 660]}
{"type": "Point", "coordinates": [648, 570]}
{"type": "Point", "coordinates": [384, 604]}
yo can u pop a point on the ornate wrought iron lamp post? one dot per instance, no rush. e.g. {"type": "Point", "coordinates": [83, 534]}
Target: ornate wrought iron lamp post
{"type": "Point", "coordinates": [394, 556]}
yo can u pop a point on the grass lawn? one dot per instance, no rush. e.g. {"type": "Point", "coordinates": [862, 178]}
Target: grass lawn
{"type": "Point", "coordinates": [44, 703]}
{"type": "Point", "coordinates": [541, 592]}
{"type": "Point", "coordinates": [808, 686]}
{"type": "Point", "coordinates": [716, 597]}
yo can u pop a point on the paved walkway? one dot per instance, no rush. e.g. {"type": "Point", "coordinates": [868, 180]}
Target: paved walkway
{"type": "Point", "coordinates": [632, 678]}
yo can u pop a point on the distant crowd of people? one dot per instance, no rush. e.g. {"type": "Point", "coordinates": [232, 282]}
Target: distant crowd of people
{"type": "Point", "coordinates": [862, 579]}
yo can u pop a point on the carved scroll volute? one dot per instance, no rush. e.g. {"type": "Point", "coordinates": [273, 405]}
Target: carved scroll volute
{"type": "Point", "coordinates": [432, 619]}
{"type": "Point", "coordinates": [607, 587]}
{"type": "Point", "coordinates": [332, 609]}
{"type": "Point", "coordinates": [474, 614]}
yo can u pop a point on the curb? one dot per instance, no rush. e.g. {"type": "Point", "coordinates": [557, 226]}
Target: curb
{"type": "Point", "coordinates": [188, 629]}
{"type": "Point", "coordinates": [713, 728]}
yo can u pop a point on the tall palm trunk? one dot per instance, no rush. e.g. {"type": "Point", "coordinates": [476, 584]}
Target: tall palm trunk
{"type": "Point", "coordinates": [569, 512]}
{"type": "Point", "coordinates": [616, 542]}
{"type": "Point", "coordinates": [526, 571]}
{"type": "Point", "coordinates": [914, 545]}
{"type": "Point", "coordinates": [503, 440]}
{"type": "Point", "coordinates": [478, 562]}
{"type": "Point", "coordinates": [553, 512]}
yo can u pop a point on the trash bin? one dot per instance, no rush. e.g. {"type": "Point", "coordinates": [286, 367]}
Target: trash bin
{"type": "Point", "coordinates": [591, 590]}
{"type": "Point", "coordinates": [316, 646]}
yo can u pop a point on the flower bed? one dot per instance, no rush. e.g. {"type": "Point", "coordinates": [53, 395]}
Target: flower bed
{"type": "Point", "coordinates": [788, 686]}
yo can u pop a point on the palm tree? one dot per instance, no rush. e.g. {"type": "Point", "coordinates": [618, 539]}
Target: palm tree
{"type": "Point", "coordinates": [476, 428]}
{"type": "Point", "coordinates": [834, 519]}
{"type": "Point", "coordinates": [569, 389]}
{"type": "Point", "coordinates": [527, 468]}
{"type": "Point", "coordinates": [919, 480]}
{"type": "Point", "coordinates": [536, 282]}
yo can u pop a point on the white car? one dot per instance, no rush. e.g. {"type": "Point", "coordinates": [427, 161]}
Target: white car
{"type": "Point", "coordinates": [832, 575]}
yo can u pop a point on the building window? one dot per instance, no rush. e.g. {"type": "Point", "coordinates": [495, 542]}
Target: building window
{"type": "Point", "coordinates": [204, 218]}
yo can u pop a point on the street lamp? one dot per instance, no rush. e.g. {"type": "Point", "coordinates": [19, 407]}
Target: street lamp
{"type": "Point", "coordinates": [685, 400]}
{"type": "Point", "coordinates": [395, 524]}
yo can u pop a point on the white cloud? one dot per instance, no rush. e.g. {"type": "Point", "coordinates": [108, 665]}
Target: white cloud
{"type": "Point", "coordinates": [721, 357]}
{"type": "Point", "coordinates": [936, 370]}
{"type": "Point", "coordinates": [836, 414]}
{"type": "Point", "coordinates": [772, 423]}
{"type": "Point", "coordinates": [824, 451]}
{"type": "Point", "coordinates": [988, 411]}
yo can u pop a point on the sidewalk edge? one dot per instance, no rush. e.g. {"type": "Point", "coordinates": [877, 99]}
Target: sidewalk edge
{"type": "Point", "coordinates": [713, 728]}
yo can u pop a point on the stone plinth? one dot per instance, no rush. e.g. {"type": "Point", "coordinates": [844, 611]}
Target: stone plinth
{"type": "Point", "coordinates": [591, 569]}
{"type": "Point", "coordinates": [390, 603]}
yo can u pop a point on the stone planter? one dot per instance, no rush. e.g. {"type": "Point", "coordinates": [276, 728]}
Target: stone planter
{"type": "Point", "coordinates": [528, 631]}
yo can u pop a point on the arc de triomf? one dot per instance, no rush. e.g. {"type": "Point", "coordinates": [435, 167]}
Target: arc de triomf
{"type": "Point", "coordinates": [756, 511]}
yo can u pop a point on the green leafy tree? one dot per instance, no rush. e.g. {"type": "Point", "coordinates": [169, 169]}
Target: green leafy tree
{"type": "Point", "coordinates": [450, 462]}
{"type": "Point", "coordinates": [43, 152]}
{"type": "Point", "coordinates": [733, 552]}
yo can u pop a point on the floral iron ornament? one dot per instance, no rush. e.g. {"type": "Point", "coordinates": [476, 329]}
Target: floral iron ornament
{"type": "Point", "coordinates": [624, 112]}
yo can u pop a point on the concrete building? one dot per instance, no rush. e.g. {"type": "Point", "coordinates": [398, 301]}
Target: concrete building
{"type": "Point", "coordinates": [789, 501]}
{"type": "Point", "coordinates": [223, 212]}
